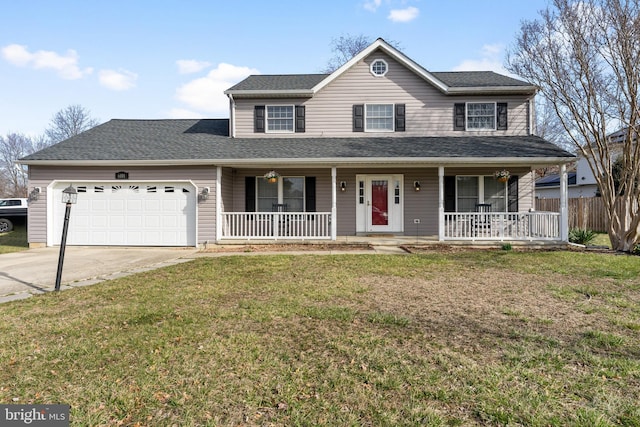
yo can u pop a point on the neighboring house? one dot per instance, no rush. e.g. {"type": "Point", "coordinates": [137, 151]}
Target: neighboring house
{"type": "Point", "coordinates": [581, 183]}
{"type": "Point", "coordinates": [381, 146]}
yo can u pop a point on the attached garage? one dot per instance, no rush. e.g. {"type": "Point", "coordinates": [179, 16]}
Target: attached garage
{"type": "Point", "coordinates": [124, 213]}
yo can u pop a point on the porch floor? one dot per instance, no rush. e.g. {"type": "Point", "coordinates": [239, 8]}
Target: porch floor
{"type": "Point", "coordinates": [393, 240]}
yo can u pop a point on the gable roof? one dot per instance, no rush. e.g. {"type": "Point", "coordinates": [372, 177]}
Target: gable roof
{"type": "Point", "coordinates": [206, 141]}
{"type": "Point", "coordinates": [454, 83]}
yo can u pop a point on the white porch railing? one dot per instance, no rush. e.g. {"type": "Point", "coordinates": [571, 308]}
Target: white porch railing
{"type": "Point", "coordinates": [502, 226]}
{"type": "Point", "coordinates": [276, 225]}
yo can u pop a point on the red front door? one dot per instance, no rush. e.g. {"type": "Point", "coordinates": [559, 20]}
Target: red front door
{"type": "Point", "coordinates": [379, 202]}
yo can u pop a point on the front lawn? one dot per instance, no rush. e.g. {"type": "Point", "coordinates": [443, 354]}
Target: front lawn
{"type": "Point", "coordinates": [484, 337]}
{"type": "Point", "coordinates": [15, 240]}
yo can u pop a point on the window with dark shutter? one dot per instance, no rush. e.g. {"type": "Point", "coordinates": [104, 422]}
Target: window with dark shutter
{"type": "Point", "coordinates": [310, 194]}
{"type": "Point", "coordinates": [358, 118]}
{"type": "Point", "coordinates": [258, 119]}
{"type": "Point", "coordinates": [502, 115]}
{"type": "Point", "coordinates": [400, 117]}
{"type": "Point", "coordinates": [300, 118]}
{"type": "Point", "coordinates": [250, 194]}
{"type": "Point", "coordinates": [458, 116]}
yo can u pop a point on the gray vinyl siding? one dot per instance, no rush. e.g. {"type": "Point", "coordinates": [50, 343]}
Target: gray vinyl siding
{"type": "Point", "coordinates": [202, 176]}
{"type": "Point", "coordinates": [429, 112]}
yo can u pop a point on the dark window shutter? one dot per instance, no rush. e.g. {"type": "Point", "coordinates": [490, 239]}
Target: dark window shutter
{"type": "Point", "coordinates": [513, 194]}
{"type": "Point", "coordinates": [258, 119]}
{"type": "Point", "coordinates": [300, 119]}
{"type": "Point", "coordinates": [310, 194]}
{"type": "Point", "coordinates": [458, 116]}
{"type": "Point", "coordinates": [250, 194]}
{"type": "Point", "coordinates": [449, 193]}
{"type": "Point", "coordinates": [358, 118]}
{"type": "Point", "coordinates": [400, 117]}
{"type": "Point", "coordinates": [502, 115]}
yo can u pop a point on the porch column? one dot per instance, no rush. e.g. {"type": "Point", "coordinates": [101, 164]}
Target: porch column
{"type": "Point", "coordinates": [334, 216]}
{"type": "Point", "coordinates": [564, 211]}
{"type": "Point", "coordinates": [218, 203]}
{"type": "Point", "coordinates": [441, 203]}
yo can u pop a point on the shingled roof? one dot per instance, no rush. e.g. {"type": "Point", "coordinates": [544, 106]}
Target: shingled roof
{"type": "Point", "coordinates": [207, 141]}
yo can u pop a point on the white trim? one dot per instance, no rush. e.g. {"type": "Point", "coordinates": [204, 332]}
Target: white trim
{"type": "Point", "coordinates": [334, 209]}
{"type": "Point", "coordinates": [564, 211]}
{"type": "Point", "coordinates": [440, 203]}
{"type": "Point", "coordinates": [218, 203]}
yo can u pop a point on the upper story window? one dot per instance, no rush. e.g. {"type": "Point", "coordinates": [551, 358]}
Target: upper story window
{"type": "Point", "coordinates": [279, 118]}
{"type": "Point", "coordinates": [378, 117]}
{"type": "Point", "coordinates": [379, 67]}
{"type": "Point", "coordinates": [479, 116]}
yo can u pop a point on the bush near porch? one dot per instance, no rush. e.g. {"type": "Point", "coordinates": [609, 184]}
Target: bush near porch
{"type": "Point", "coordinates": [513, 337]}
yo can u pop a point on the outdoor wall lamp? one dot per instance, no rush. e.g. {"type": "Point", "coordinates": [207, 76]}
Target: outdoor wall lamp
{"type": "Point", "coordinates": [416, 185]}
{"type": "Point", "coordinates": [34, 194]}
{"type": "Point", "coordinates": [204, 194]}
{"type": "Point", "coordinates": [69, 197]}
{"type": "Point", "coordinates": [343, 186]}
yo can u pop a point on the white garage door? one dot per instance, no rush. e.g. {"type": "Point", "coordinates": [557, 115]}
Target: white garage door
{"type": "Point", "coordinates": [128, 214]}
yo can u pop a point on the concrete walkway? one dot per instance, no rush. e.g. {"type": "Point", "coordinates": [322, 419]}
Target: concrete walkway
{"type": "Point", "coordinates": [33, 271]}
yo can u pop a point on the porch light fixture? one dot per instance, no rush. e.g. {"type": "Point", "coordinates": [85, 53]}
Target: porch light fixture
{"type": "Point", "coordinates": [343, 186]}
{"type": "Point", "coordinates": [416, 185]}
{"type": "Point", "coordinates": [69, 197]}
{"type": "Point", "coordinates": [204, 194]}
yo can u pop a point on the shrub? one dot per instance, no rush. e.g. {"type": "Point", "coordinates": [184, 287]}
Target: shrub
{"type": "Point", "coordinates": [506, 247]}
{"type": "Point", "coordinates": [581, 236]}
{"type": "Point", "coordinates": [636, 249]}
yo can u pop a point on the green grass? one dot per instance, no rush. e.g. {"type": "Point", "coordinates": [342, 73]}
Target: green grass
{"type": "Point", "coordinates": [15, 240]}
{"type": "Point", "coordinates": [510, 339]}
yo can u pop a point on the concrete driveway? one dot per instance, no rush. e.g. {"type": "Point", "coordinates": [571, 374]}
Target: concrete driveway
{"type": "Point", "coordinates": [34, 271]}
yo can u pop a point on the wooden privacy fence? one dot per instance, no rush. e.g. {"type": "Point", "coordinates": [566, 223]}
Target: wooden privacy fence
{"type": "Point", "coordinates": [584, 212]}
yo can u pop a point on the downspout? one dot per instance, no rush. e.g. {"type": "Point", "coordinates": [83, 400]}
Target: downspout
{"type": "Point", "coordinates": [232, 116]}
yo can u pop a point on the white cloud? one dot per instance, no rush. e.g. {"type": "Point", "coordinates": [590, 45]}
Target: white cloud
{"type": "Point", "coordinates": [490, 60]}
{"type": "Point", "coordinates": [117, 80]}
{"type": "Point", "coordinates": [206, 94]}
{"type": "Point", "coordinates": [66, 65]}
{"type": "Point", "coordinates": [372, 5]}
{"type": "Point", "coordinates": [188, 66]}
{"type": "Point", "coordinates": [404, 15]}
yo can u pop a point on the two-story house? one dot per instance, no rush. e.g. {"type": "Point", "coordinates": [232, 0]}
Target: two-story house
{"type": "Point", "coordinates": [380, 146]}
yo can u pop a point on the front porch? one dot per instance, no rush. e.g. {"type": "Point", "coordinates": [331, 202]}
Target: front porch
{"type": "Point", "coordinates": [414, 205]}
{"type": "Point", "coordinates": [303, 226]}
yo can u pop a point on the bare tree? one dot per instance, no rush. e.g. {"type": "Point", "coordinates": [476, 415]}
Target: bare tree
{"type": "Point", "coordinates": [13, 177]}
{"type": "Point", "coordinates": [68, 122]}
{"type": "Point", "coordinates": [346, 47]}
{"type": "Point", "coordinates": [585, 57]}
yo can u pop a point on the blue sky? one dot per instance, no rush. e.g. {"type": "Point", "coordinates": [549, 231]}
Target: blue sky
{"type": "Point", "coordinates": [139, 59]}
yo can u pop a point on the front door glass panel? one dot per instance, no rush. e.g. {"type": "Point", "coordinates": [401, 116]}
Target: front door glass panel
{"type": "Point", "coordinates": [380, 202]}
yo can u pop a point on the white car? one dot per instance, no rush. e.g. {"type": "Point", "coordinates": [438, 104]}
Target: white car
{"type": "Point", "coordinates": [11, 209]}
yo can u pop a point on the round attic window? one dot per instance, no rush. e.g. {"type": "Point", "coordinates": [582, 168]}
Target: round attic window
{"type": "Point", "coordinates": [379, 67]}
